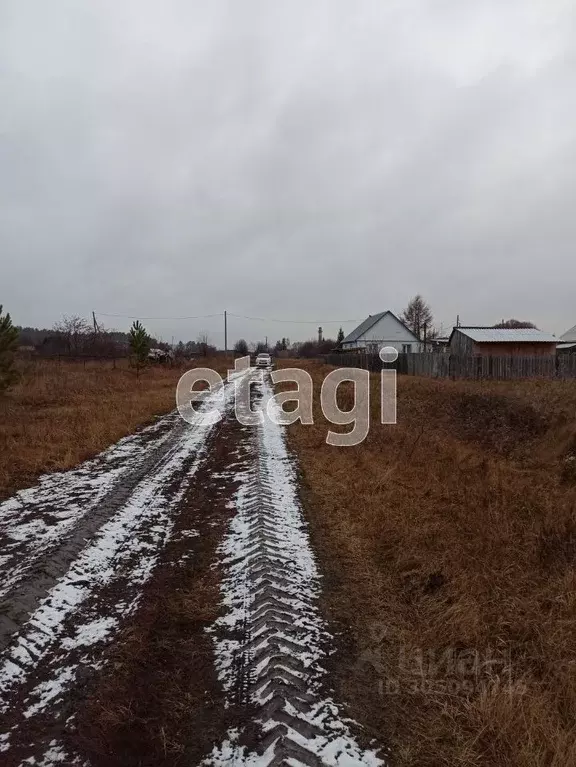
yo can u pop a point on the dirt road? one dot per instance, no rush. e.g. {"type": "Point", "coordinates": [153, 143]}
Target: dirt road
{"type": "Point", "coordinates": [159, 606]}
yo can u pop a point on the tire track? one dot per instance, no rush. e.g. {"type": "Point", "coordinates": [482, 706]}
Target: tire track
{"type": "Point", "coordinates": [271, 644]}
{"type": "Point", "coordinates": [33, 568]}
{"type": "Point", "coordinates": [61, 637]}
{"type": "Point", "coordinates": [157, 701]}
{"type": "Point", "coordinates": [36, 519]}
{"type": "Point", "coordinates": [46, 566]}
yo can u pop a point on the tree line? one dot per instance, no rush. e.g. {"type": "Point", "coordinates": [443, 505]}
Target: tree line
{"type": "Point", "coordinates": [310, 348]}
{"type": "Point", "coordinates": [75, 336]}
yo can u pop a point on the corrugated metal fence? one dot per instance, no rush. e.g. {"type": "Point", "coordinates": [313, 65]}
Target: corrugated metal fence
{"type": "Point", "coordinates": [451, 366]}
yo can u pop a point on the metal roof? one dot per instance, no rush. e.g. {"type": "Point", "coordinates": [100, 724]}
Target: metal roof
{"type": "Point", "coordinates": [569, 335]}
{"type": "Point", "coordinates": [507, 335]}
{"type": "Point", "coordinates": [369, 322]}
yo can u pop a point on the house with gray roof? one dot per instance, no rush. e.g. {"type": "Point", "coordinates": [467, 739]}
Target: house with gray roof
{"type": "Point", "coordinates": [501, 342]}
{"type": "Point", "coordinates": [382, 329]}
{"type": "Point", "coordinates": [568, 341]}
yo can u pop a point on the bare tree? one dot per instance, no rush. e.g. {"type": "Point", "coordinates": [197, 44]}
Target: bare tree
{"type": "Point", "coordinates": [74, 331]}
{"type": "Point", "coordinates": [241, 347]}
{"type": "Point", "coordinates": [418, 315]}
{"type": "Point", "coordinates": [191, 348]}
{"type": "Point", "coordinates": [313, 348]}
{"type": "Point", "coordinates": [203, 341]}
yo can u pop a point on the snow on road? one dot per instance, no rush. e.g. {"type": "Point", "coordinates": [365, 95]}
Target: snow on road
{"type": "Point", "coordinates": [60, 636]}
{"type": "Point", "coordinates": [80, 546]}
{"type": "Point", "coordinates": [271, 641]}
{"type": "Point", "coordinates": [35, 520]}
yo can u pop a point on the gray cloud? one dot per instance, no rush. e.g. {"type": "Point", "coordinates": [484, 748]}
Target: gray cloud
{"type": "Point", "coordinates": [303, 160]}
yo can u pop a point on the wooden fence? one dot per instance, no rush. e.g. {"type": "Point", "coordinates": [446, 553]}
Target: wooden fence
{"type": "Point", "coordinates": [443, 365]}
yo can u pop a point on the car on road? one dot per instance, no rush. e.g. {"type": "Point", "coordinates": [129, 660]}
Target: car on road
{"type": "Point", "coordinates": [263, 361]}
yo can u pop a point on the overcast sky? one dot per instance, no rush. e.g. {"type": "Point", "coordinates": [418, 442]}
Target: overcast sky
{"type": "Point", "coordinates": [287, 159]}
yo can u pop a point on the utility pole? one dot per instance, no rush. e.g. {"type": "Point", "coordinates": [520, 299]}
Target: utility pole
{"type": "Point", "coordinates": [94, 320]}
{"type": "Point", "coordinates": [319, 335]}
{"type": "Point", "coordinates": [425, 329]}
{"type": "Point", "coordinates": [266, 343]}
{"type": "Point", "coordinates": [225, 333]}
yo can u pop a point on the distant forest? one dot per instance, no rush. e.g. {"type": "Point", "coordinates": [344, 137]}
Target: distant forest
{"type": "Point", "coordinates": [75, 337]}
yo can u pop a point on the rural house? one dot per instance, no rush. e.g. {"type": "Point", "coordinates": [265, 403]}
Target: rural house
{"type": "Point", "coordinates": [501, 342]}
{"type": "Point", "coordinates": [383, 329]}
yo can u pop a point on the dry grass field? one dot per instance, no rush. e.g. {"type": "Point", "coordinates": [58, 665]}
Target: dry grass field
{"type": "Point", "coordinates": [61, 413]}
{"type": "Point", "coordinates": [448, 547]}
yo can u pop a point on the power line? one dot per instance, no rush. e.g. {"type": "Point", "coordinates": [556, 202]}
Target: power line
{"type": "Point", "coordinates": [139, 317]}
{"type": "Point", "coordinates": [230, 314]}
{"type": "Point", "coordinates": [297, 322]}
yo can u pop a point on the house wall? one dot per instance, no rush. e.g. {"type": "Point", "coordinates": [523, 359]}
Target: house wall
{"type": "Point", "coordinates": [386, 332]}
{"type": "Point", "coordinates": [515, 350]}
{"type": "Point", "coordinates": [461, 345]}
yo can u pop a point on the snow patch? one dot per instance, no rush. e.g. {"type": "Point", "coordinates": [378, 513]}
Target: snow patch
{"type": "Point", "coordinates": [271, 643]}
{"type": "Point", "coordinates": [72, 620]}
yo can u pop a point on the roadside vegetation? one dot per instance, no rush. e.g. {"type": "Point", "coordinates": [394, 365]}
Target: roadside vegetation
{"type": "Point", "coordinates": [61, 412]}
{"type": "Point", "coordinates": [448, 548]}
{"type": "Point", "coordinates": [447, 545]}
{"type": "Point", "coordinates": [139, 347]}
{"type": "Point", "coordinates": [8, 346]}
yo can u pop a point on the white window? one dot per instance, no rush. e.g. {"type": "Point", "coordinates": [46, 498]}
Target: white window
{"type": "Point", "coordinates": [406, 348]}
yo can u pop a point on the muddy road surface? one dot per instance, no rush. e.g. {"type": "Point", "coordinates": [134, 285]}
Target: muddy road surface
{"type": "Point", "coordinates": [159, 606]}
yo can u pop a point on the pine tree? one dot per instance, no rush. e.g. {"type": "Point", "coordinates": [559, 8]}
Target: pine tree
{"type": "Point", "coordinates": [139, 346]}
{"type": "Point", "coordinates": [8, 345]}
{"type": "Point", "coordinates": [340, 337]}
{"type": "Point", "coordinates": [417, 315]}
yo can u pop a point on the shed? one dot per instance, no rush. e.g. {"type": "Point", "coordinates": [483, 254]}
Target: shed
{"type": "Point", "coordinates": [501, 342]}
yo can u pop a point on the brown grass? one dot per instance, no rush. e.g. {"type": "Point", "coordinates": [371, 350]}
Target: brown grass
{"type": "Point", "coordinates": [448, 544]}
{"type": "Point", "coordinates": [61, 413]}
